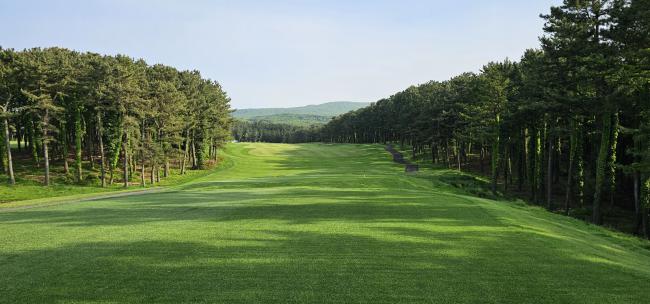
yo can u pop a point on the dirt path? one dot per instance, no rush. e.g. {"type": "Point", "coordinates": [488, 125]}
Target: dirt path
{"type": "Point", "coordinates": [399, 158]}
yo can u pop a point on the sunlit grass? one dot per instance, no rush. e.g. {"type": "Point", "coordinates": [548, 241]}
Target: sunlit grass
{"type": "Point", "coordinates": [314, 223]}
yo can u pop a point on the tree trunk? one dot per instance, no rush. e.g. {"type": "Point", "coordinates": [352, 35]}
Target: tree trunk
{"type": "Point", "coordinates": [573, 149]}
{"type": "Point", "coordinates": [569, 182]}
{"type": "Point", "coordinates": [46, 157]}
{"type": "Point", "coordinates": [185, 152]}
{"type": "Point", "coordinates": [644, 208]}
{"type": "Point", "coordinates": [637, 203]}
{"type": "Point", "coordinates": [152, 177]}
{"type": "Point", "coordinates": [10, 165]}
{"type": "Point", "coordinates": [142, 140]}
{"type": "Point", "coordinates": [458, 156]}
{"type": "Point", "coordinates": [194, 160]}
{"type": "Point", "coordinates": [433, 153]}
{"type": "Point", "coordinates": [447, 163]}
{"type": "Point", "coordinates": [64, 148]}
{"type": "Point", "coordinates": [2, 150]}
{"type": "Point", "coordinates": [611, 160]}
{"type": "Point", "coordinates": [521, 164]}
{"type": "Point", "coordinates": [601, 165]}
{"type": "Point", "coordinates": [125, 144]}
{"type": "Point", "coordinates": [537, 166]}
{"type": "Point", "coordinates": [32, 143]}
{"type": "Point", "coordinates": [495, 155]}
{"type": "Point", "coordinates": [100, 137]}
{"type": "Point", "coordinates": [19, 135]}
{"type": "Point", "coordinates": [482, 160]}
{"type": "Point", "coordinates": [579, 167]}
{"type": "Point", "coordinates": [77, 143]}
{"type": "Point", "coordinates": [549, 175]}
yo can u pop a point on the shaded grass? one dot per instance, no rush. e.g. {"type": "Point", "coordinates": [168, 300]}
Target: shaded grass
{"type": "Point", "coordinates": [314, 223]}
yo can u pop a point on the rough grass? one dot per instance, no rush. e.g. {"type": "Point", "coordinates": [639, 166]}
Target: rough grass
{"type": "Point", "coordinates": [314, 223]}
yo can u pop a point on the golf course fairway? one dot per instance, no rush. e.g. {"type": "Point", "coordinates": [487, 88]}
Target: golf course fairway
{"type": "Point", "coordinates": [313, 223]}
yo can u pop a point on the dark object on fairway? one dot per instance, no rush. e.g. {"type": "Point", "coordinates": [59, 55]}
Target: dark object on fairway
{"type": "Point", "coordinates": [412, 168]}
{"type": "Point", "coordinates": [399, 158]}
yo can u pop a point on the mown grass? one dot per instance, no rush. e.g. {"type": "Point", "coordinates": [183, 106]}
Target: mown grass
{"type": "Point", "coordinates": [314, 223]}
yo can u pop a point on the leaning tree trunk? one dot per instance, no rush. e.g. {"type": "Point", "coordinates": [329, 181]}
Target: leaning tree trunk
{"type": "Point", "coordinates": [10, 165]}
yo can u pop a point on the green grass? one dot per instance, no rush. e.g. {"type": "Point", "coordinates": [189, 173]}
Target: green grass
{"type": "Point", "coordinates": [314, 223]}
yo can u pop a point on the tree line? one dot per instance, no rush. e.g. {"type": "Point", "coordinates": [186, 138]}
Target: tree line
{"type": "Point", "coordinates": [267, 131]}
{"type": "Point", "coordinates": [112, 113]}
{"type": "Point", "coordinates": [569, 123]}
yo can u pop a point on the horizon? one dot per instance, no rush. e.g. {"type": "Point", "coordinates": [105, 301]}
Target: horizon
{"type": "Point", "coordinates": [292, 53]}
{"type": "Point", "coordinates": [306, 105]}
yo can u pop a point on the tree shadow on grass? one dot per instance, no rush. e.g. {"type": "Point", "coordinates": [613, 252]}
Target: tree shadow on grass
{"type": "Point", "coordinates": [293, 206]}
{"type": "Point", "coordinates": [286, 266]}
{"type": "Point", "coordinates": [339, 238]}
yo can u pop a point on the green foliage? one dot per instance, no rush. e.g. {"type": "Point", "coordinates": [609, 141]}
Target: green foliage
{"type": "Point", "coordinates": [588, 82]}
{"type": "Point", "coordinates": [143, 114]}
{"type": "Point", "coordinates": [303, 120]}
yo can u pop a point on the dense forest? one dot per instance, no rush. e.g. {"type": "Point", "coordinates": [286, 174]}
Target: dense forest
{"type": "Point", "coordinates": [112, 114]}
{"type": "Point", "coordinates": [569, 123]}
{"type": "Point", "coordinates": [274, 132]}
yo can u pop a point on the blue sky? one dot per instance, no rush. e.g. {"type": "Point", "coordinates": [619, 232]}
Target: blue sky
{"type": "Point", "coordinates": [289, 53]}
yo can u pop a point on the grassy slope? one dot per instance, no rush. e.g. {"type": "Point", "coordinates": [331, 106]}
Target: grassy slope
{"type": "Point", "coordinates": [314, 223]}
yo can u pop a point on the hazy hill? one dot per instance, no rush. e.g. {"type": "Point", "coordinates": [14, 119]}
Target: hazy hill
{"type": "Point", "coordinates": [328, 109]}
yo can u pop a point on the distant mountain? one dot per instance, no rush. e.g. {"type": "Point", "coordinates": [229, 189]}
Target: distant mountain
{"type": "Point", "coordinates": [329, 110]}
